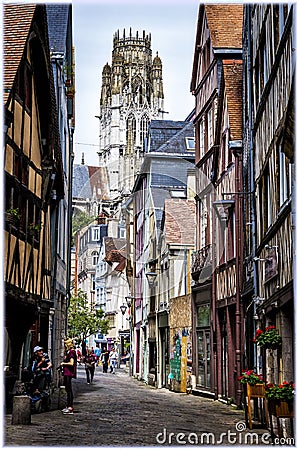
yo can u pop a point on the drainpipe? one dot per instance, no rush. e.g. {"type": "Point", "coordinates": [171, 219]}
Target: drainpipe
{"type": "Point", "coordinates": [70, 189]}
{"type": "Point", "coordinates": [236, 147]}
{"type": "Point", "coordinates": [252, 177]}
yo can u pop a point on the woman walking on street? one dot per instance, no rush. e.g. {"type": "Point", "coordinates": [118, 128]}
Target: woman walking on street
{"type": "Point", "coordinates": [113, 360]}
{"type": "Point", "coordinates": [90, 362]}
{"type": "Point", "coordinates": [105, 359]}
{"type": "Point", "coordinates": [69, 366]}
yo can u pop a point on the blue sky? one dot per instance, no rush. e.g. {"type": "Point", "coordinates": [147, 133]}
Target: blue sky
{"type": "Point", "coordinates": [172, 25]}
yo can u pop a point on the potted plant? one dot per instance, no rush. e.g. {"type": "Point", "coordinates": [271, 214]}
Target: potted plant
{"type": "Point", "coordinates": [281, 398]}
{"type": "Point", "coordinates": [249, 377]}
{"type": "Point", "coordinates": [254, 382]}
{"type": "Point", "coordinates": [268, 338]}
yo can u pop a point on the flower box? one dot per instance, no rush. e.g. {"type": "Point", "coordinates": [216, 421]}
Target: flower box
{"type": "Point", "coordinates": [281, 408]}
{"type": "Point", "coordinates": [268, 338]}
{"type": "Point", "coordinates": [256, 390]}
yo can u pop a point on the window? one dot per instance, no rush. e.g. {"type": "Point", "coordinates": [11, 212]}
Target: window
{"type": "Point", "coordinates": [24, 87]}
{"type": "Point", "coordinates": [268, 199]}
{"type": "Point", "coordinates": [143, 131]}
{"type": "Point", "coordinates": [263, 64]}
{"type": "Point", "coordinates": [131, 132]}
{"type": "Point", "coordinates": [111, 322]}
{"type": "Point", "coordinates": [95, 234]}
{"type": "Point", "coordinates": [190, 143]}
{"type": "Point", "coordinates": [265, 201]}
{"type": "Point", "coordinates": [95, 256]}
{"type": "Point", "coordinates": [203, 222]}
{"type": "Point", "coordinates": [122, 233]}
{"type": "Point", "coordinates": [223, 165]}
{"type": "Point", "coordinates": [231, 234]}
{"type": "Point", "coordinates": [201, 138]}
{"type": "Point", "coordinates": [210, 128]}
{"type": "Point", "coordinates": [284, 175]}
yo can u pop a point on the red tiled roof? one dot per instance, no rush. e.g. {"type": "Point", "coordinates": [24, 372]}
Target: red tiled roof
{"type": "Point", "coordinates": [180, 221]}
{"type": "Point", "coordinates": [115, 250]}
{"type": "Point", "coordinates": [233, 89]}
{"type": "Point", "coordinates": [17, 20]}
{"type": "Point", "coordinates": [225, 22]}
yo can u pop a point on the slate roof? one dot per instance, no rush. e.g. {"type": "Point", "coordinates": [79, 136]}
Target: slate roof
{"type": "Point", "coordinates": [58, 16]}
{"type": "Point", "coordinates": [17, 19]}
{"type": "Point", "coordinates": [180, 222]}
{"type": "Point", "coordinates": [177, 143]}
{"type": "Point", "coordinates": [225, 22]}
{"type": "Point", "coordinates": [160, 131]}
{"type": "Point", "coordinates": [89, 181]}
{"type": "Point", "coordinates": [233, 89]}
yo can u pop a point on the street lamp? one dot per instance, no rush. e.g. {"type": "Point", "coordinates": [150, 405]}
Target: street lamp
{"type": "Point", "coordinates": [129, 301]}
{"type": "Point", "coordinates": [123, 309]}
{"type": "Point", "coordinates": [151, 278]}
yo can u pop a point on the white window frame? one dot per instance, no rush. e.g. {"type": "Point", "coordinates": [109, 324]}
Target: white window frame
{"type": "Point", "coordinates": [210, 128]}
{"type": "Point", "coordinates": [201, 138]}
{"type": "Point", "coordinates": [95, 257]}
{"type": "Point", "coordinates": [95, 233]}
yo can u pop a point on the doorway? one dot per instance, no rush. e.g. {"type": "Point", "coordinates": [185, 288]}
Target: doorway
{"type": "Point", "coordinates": [204, 358]}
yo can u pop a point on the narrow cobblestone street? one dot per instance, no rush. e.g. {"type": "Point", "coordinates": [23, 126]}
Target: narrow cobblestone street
{"type": "Point", "coordinates": [117, 410]}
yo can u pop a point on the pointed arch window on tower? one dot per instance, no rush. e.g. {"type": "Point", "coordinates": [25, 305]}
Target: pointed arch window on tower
{"type": "Point", "coordinates": [143, 130]}
{"type": "Point", "coordinates": [131, 132]}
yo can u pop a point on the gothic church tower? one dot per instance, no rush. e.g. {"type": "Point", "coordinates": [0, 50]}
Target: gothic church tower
{"type": "Point", "coordinates": [131, 95]}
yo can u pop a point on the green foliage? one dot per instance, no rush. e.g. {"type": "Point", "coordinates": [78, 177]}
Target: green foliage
{"type": "Point", "coordinates": [84, 321]}
{"type": "Point", "coordinates": [250, 377]}
{"type": "Point", "coordinates": [79, 220]}
{"type": "Point", "coordinates": [284, 391]}
{"type": "Point", "coordinates": [269, 338]}
{"type": "Point", "coordinates": [14, 212]}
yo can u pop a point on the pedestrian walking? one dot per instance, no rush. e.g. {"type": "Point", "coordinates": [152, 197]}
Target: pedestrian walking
{"type": "Point", "coordinates": [90, 362]}
{"type": "Point", "coordinates": [113, 360]}
{"type": "Point", "coordinates": [69, 366]}
{"type": "Point", "coordinates": [105, 359]}
{"type": "Point", "coordinates": [79, 356]}
{"type": "Point", "coordinates": [97, 352]}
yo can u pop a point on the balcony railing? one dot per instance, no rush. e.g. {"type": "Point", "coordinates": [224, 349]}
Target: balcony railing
{"type": "Point", "coordinates": [201, 259]}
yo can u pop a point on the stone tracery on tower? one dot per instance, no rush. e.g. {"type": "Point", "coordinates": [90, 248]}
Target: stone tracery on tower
{"type": "Point", "coordinates": [131, 96]}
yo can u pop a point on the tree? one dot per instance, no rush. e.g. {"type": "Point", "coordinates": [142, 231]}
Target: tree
{"type": "Point", "coordinates": [79, 220]}
{"type": "Point", "coordinates": [83, 321]}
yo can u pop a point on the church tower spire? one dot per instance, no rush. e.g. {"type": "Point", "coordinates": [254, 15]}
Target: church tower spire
{"type": "Point", "coordinates": [131, 95]}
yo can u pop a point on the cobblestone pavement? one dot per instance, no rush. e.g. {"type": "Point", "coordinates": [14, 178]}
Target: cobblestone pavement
{"type": "Point", "coordinates": [118, 410]}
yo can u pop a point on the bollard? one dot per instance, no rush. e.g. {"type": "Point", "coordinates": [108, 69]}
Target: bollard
{"type": "Point", "coordinates": [21, 410]}
{"type": "Point", "coordinates": [62, 397]}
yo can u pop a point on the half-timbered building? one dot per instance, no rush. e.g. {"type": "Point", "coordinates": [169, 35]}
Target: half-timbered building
{"type": "Point", "coordinates": [33, 179]}
{"type": "Point", "coordinates": [269, 52]}
{"type": "Point", "coordinates": [217, 86]}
